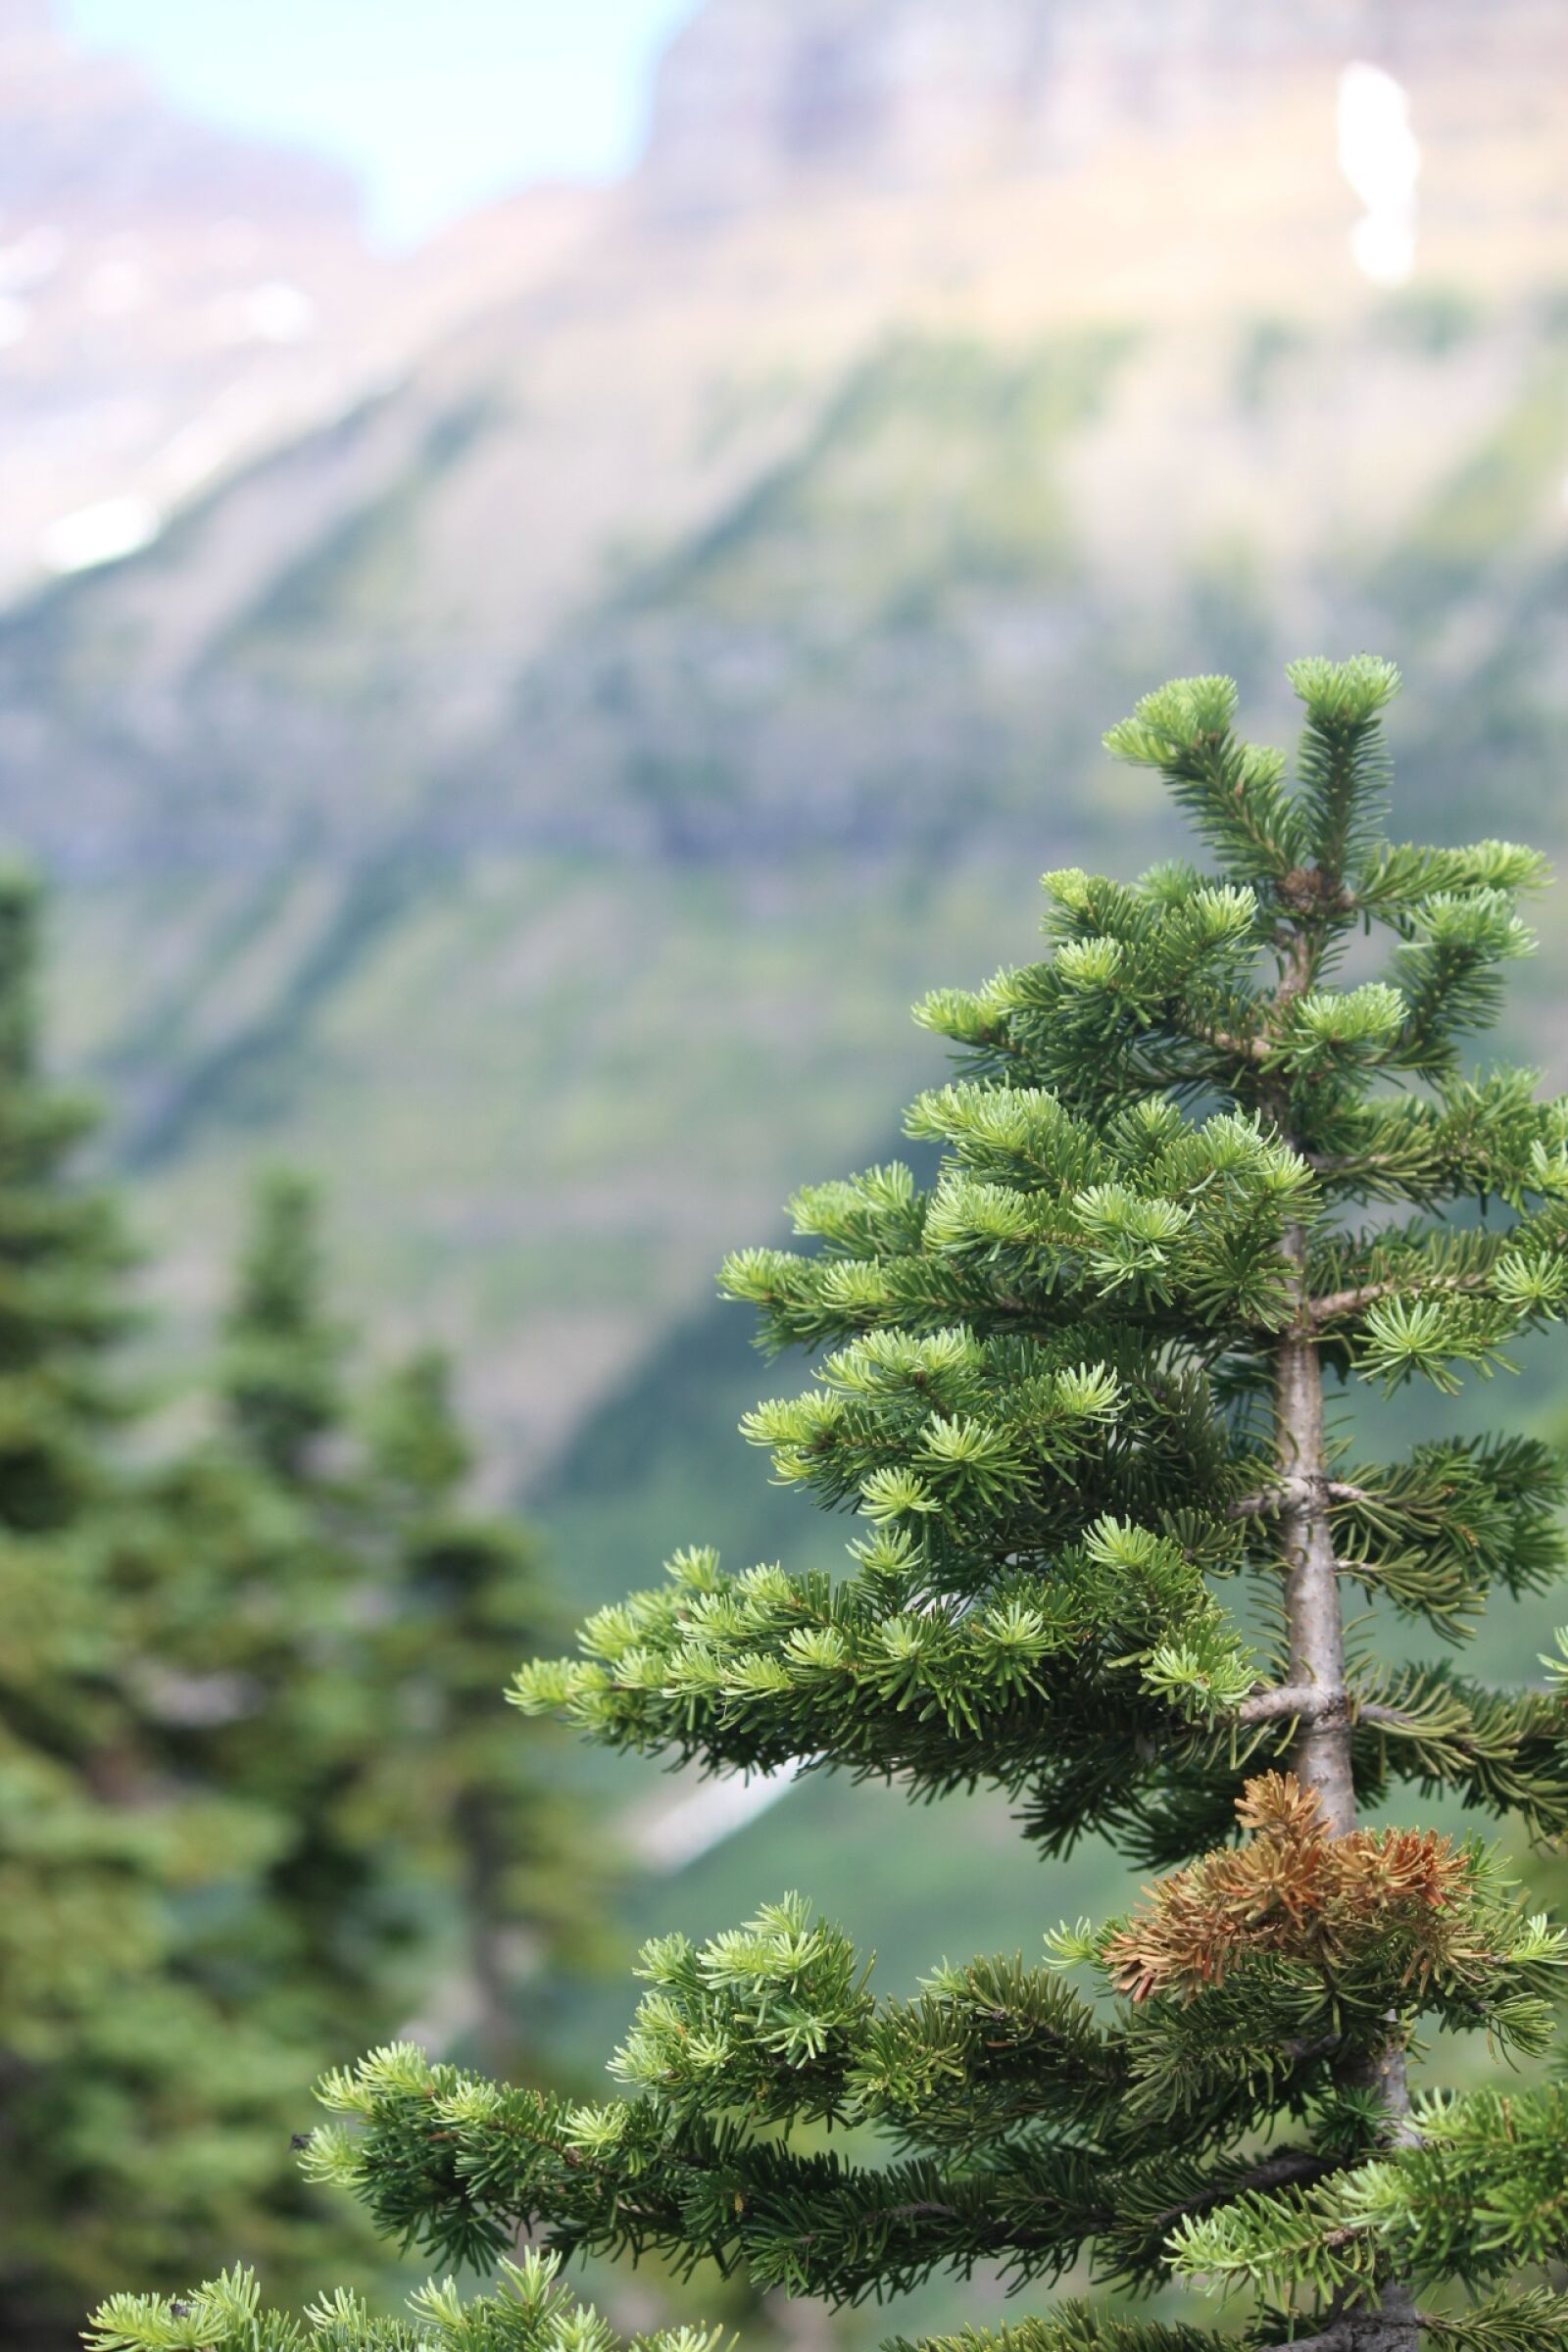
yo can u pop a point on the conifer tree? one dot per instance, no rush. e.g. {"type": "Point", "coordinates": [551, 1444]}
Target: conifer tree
{"type": "Point", "coordinates": [483, 1817]}
{"type": "Point", "coordinates": [140, 2109]}
{"type": "Point", "coordinates": [273, 1686]}
{"type": "Point", "coordinates": [209, 1878]}
{"type": "Point", "coordinates": [282, 1372]}
{"type": "Point", "coordinates": [1194, 1169]}
{"type": "Point", "coordinates": [350, 1682]}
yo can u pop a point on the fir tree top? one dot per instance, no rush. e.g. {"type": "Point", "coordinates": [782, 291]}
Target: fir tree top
{"type": "Point", "coordinates": [1221, 1142]}
{"type": "Point", "coordinates": [413, 1433]}
{"type": "Point", "coordinates": [281, 1375]}
{"type": "Point", "coordinates": [61, 1252]}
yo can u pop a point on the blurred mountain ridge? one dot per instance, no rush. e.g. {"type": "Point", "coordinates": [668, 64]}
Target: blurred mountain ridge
{"type": "Point", "coordinates": [175, 300]}
{"type": "Point", "coordinates": [87, 129]}
{"type": "Point", "coordinates": [533, 792]}
{"type": "Point", "coordinates": [756, 97]}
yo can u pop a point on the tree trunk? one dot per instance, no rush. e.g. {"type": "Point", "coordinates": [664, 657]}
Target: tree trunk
{"type": "Point", "coordinates": [1321, 1754]}
{"type": "Point", "coordinates": [487, 1938]}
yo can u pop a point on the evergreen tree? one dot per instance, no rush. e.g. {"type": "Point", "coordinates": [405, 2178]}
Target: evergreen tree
{"type": "Point", "coordinates": [282, 1372]}
{"type": "Point", "coordinates": [1193, 1168]}
{"type": "Point", "coordinates": [210, 1878]}
{"type": "Point", "coordinates": [490, 1822]}
{"type": "Point", "coordinates": [348, 1680]}
{"type": "Point", "coordinates": [272, 1685]}
{"type": "Point", "coordinates": [140, 2110]}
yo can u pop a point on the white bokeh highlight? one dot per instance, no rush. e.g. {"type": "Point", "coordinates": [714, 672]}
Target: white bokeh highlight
{"type": "Point", "coordinates": [105, 533]}
{"type": "Point", "coordinates": [1380, 157]}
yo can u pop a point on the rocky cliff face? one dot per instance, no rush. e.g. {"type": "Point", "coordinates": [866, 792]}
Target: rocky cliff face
{"type": "Point", "coordinates": [757, 97]}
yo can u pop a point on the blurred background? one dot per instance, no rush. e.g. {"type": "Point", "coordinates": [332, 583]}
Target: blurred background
{"type": "Point", "coordinates": [556, 568]}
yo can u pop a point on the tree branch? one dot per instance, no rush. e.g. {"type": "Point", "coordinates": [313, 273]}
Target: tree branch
{"type": "Point", "coordinates": [1303, 1701]}
{"type": "Point", "coordinates": [1315, 1703]}
{"type": "Point", "coordinates": [1274, 2171]}
{"type": "Point", "coordinates": [1223, 1041]}
{"type": "Point", "coordinates": [1288, 1494]}
{"type": "Point", "coordinates": [1339, 2339]}
{"type": "Point", "coordinates": [1333, 1304]}
{"type": "Point", "coordinates": [1374, 1711]}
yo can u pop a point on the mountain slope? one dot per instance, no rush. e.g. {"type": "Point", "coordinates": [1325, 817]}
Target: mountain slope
{"type": "Point", "coordinates": [176, 301]}
{"type": "Point", "coordinates": [536, 797]}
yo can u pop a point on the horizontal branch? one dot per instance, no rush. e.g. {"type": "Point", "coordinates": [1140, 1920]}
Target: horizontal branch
{"type": "Point", "coordinates": [1245, 1049]}
{"type": "Point", "coordinates": [1373, 1710]}
{"type": "Point", "coordinates": [1274, 2171]}
{"type": "Point", "coordinates": [1318, 1702]}
{"type": "Point", "coordinates": [1333, 1304]}
{"type": "Point", "coordinates": [1269, 1501]}
{"type": "Point", "coordinates": [1290, 1493]}
{"type": "Point", "coordinates": [1339, 1163]}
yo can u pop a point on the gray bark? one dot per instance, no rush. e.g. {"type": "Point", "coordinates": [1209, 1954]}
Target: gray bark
{"type": "Point", "coordinates": [1320, 1754]}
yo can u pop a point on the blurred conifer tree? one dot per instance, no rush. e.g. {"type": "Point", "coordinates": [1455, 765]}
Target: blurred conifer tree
{"type": "Point", "coordinates": [138, 2105]}
{"type": "Point", "coordinates": [282, 1371]}
{"type": "Point", "coordinates": [245, 1811]}
{"type": "Point", "coordinates": [490, 1821]}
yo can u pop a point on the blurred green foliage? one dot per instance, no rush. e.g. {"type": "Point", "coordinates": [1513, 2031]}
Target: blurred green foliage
{"type": "Point", "coordinates": [257, 1791]}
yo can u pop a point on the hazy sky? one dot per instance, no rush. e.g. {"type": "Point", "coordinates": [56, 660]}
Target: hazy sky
{"type": "Point", "coordinates": [436, 103]}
